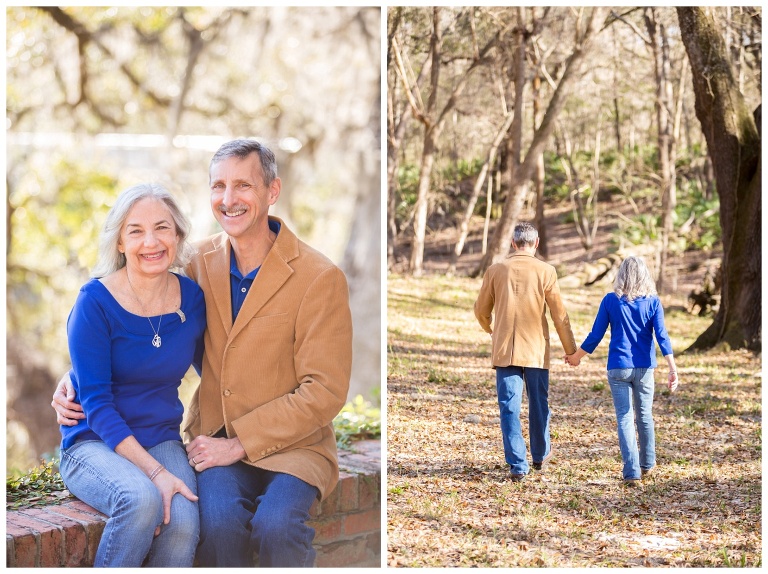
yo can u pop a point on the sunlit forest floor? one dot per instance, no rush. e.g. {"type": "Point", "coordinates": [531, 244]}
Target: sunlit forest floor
{"type": "Point", "coordinates": [449, 498]}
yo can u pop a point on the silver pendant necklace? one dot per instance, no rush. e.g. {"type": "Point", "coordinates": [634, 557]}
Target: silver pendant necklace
{"type": "Point", "coordinates": [156, 340]}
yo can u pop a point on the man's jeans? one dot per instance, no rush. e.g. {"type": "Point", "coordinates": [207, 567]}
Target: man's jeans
{"type": "Point", "coordinates": [99, 476]}
{"type": "Point", "coordinates": [509, 388]}
{"type": "Point", "coordinates": [628, 386]}
{"type": "Point", "coordinates": [246, 510]}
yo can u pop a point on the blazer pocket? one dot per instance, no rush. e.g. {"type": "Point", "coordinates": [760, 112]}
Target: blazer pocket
{"type": "Point", "coordinates": [268, 321]}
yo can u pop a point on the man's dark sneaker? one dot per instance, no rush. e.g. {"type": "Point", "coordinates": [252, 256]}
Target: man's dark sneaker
{"type": "Point", "coordinates": [517, 477]}
{"type": "Point", "coordinates": [647, 472]}
{"type": "Point", "coordinates": [537, 465]}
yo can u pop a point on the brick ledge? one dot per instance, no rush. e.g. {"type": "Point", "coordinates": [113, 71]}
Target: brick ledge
{"type": "Point", "coordinates": [347, 523]}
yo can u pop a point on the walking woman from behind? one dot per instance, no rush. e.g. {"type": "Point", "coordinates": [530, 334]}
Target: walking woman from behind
{"type": "Point", "coordinates": [634, 313]}
{"type": "Point", "coordinates": [135, 329]}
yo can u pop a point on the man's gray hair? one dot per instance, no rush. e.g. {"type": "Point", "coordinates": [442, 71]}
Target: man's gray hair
{"type": "Point", "coordinates": [634, 279]}
{"type": "Point", "coordinates": [525, 234]}
{"type": "Point", "coordinates": [242, 148]}
{"type": "Point", "coordinates": [110, 259]}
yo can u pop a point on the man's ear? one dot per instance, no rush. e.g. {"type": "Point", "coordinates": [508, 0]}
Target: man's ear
{"type": "Point", "coordinates": [274, 190]}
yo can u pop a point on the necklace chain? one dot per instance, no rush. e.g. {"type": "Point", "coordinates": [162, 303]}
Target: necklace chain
{"type": "Point", "coordinates": [156, 340]}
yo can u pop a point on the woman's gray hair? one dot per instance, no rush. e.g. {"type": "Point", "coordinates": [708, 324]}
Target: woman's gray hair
{"type": "Point", "coordinates": [634, 279]}
{"type": "Point", "coordinates": [525, 234]}
{"type": "Point", "coordinates": [110, 259]}
{"type": "Point", "coordinates": [242, 148]}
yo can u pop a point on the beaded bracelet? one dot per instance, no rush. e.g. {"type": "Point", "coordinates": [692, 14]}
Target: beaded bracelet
{"type": "Point", "coordinates": [155, 472]}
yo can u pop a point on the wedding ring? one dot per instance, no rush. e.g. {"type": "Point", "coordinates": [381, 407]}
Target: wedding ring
{"type": "Point", "coordinates": [194, 461]}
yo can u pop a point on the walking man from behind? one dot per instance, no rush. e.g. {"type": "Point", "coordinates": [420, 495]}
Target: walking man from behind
{"type": "Point", "coordinates": [518, 291]}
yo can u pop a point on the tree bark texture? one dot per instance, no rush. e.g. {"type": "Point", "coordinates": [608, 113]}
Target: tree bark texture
{"type": "Point", "coordinates": [734, 143]}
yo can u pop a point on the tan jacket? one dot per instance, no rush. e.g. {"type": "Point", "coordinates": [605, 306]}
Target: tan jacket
{"type": "Point", "coordinates": [280, 374]}
{"type": "Point", "coordinates": [519, 290]}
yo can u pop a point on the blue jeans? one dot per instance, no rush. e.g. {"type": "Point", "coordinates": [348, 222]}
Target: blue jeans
{"type": "Point", "coordinates": [632, 391]}
{"type": "Point", "coordinates": [246, 510]}
{"type": "Point", "coordinates": [509, 388]}
{"type": "Point", "coordinates": [113, 485]}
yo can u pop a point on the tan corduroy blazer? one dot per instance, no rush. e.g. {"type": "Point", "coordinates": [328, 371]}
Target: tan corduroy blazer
{"type": "Point", "coordinates": [519, 290]}
{"type": "Point", "coordinates": [280, 374]}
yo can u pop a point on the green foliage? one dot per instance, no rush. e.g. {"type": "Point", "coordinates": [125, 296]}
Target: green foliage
{"type": "Point", "coordinates": [408, 185]}
{"type": "Point", "coordinates": [462, 169]}
{"type": "Point", "coordinates": [705, 232]}
{"type": "Point", "coordinates": [40, 486]}
{"type": "Point", "coordinates": [643, 228]}
{"type": "Point", "coordinates": [358, 420]}
{"type": "Point", "coordinates": [56, 211]}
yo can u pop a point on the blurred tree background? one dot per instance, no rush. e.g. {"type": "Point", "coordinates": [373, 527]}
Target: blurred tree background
{"type": "Point", "coordinates": [625, 129]}
{"type": "Point", "coordinates": [99, 98]}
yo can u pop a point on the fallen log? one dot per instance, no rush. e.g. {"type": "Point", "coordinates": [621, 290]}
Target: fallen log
{"type": "Point", "coordinates": [604, 269]}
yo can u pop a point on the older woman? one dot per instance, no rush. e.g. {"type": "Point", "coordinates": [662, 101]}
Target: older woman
{"type": "Point", "coordinates": [135, 329]}
{"type": "Point", "coordinates": [635, 313]}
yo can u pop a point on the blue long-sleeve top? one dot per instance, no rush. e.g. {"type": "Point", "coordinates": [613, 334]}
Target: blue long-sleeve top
{"type": "Point", "coordinates": [125, 385]}
{"type": "Point", "coordinates": [633, 324]}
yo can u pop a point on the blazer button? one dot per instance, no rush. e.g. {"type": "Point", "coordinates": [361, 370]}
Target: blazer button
{"type": "Point", "coordinates": [227, 393]}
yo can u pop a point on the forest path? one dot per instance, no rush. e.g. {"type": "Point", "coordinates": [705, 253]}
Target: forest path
{"type": "Point", "coordinates": [449, 498]}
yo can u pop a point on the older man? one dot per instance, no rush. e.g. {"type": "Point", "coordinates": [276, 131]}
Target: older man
{"type": "Point", "coordinates": [519, 290]}
{"type": "Point", "coordinates": [276, 369]}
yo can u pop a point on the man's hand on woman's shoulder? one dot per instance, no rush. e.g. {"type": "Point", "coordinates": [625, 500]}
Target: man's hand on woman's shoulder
{"type": "Point", "coordinates": [68, 412]}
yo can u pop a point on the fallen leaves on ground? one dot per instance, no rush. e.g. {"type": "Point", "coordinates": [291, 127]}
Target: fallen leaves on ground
{"type": "Point", "coordinates": [450, 502]}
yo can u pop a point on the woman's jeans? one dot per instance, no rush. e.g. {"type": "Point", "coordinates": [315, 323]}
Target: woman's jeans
{"type": "Point", "coordinates": [113, 485]}
{"type": "Point", "coordinates": [632, 391]}
{"type": "Point", "coordinates": [246, 510]}
{"type": "Point", "coordinates": [509, 388]}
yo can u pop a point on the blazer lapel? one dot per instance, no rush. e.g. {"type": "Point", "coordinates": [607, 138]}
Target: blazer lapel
{"type": "Point", "coordinates": [273, 274]}
{"type": "Point", "coordinates": [217, 268]}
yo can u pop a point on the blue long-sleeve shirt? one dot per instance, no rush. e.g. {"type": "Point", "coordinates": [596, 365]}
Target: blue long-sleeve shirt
{"type": "Point", "coordinates": [126, 385]}
{"type": "Point", "coordinates": [633, 324]}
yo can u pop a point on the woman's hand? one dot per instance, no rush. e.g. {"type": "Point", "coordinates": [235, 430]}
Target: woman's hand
{"type": "Point", "coordinates": [169, 484]}
{"type": "Point", "coordinates": [673, 381]}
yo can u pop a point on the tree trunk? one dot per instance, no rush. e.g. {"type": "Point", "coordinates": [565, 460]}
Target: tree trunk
{"type": "Point", "coordinates": [539, 173]}
{"type": "Point", "coordinates": [659, 49]}
{"type": "Point", "coordinates": [431, 133]}
{"type": "Point", "coordinates": [500, 242]}
{"type": "Point", "coordinates": [484, 171]}
{"type": "Point", "coordinates": [734, 143]}
{"type": "Point", "coordinates": [396, 131]}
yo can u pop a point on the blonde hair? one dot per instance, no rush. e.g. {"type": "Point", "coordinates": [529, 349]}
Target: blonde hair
{"type": "Point", "coordinates": [110, 259]}
{"type": "Point", "coordinates": [634, 279]}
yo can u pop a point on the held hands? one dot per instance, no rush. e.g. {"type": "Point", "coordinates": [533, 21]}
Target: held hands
{"type": "Point", "coordinates": [572, 360]}
{"type": "Point", "coordinates": [206, 452]}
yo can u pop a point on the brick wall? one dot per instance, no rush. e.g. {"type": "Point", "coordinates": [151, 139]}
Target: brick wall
{"type": "Point", "coordinates": [347, 524]}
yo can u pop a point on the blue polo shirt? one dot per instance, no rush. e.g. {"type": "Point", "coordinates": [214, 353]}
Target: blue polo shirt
{"type": "Point", "coordinates": [240, 285]}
